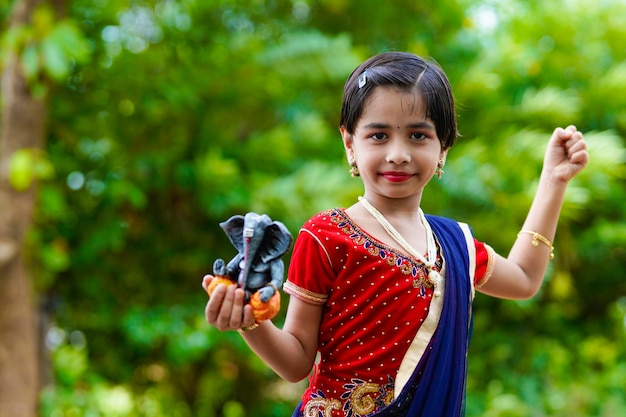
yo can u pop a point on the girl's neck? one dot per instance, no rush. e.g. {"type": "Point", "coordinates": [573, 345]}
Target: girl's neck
{"type": "Point", "coordinates": [429, 260]}
{"type": "Point", "coordinates": [403, 216]}
{"type": "Point", "coordinates": [405, 209]}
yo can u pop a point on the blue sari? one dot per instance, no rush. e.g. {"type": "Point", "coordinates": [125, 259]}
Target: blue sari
{"type": "Point", "coordinates": [437, 384]}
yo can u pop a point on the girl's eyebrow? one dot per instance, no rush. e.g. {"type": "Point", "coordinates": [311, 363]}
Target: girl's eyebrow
{"type": "Point", "coordinates": [375, 125]}
{"type": "Point", "coordinates": [422, 125]}
{"type": "Point", "coordinates": [417, 125]}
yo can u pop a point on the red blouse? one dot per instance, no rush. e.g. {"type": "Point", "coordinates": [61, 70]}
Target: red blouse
{"type": "Point", "coordinates": [375, 299]}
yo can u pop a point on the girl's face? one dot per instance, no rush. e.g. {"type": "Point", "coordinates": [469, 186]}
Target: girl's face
{"type": "Point", "coordinates": [395, 146]}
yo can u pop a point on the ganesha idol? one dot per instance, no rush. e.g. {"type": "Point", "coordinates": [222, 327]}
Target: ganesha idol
{"type": "Point", "coordinates": [257, 268]}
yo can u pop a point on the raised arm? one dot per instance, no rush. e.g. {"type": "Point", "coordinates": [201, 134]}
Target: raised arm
{"type": "Point", "coordinates": [520, 275]}
{"type": "Point", "coordinates": [290, 351]}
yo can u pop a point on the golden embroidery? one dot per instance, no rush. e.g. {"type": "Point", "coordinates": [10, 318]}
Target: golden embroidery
{"type": "Point", "coordinates": [389, 397]}
{"type": "Point", "coordinates": [420, 280]}
{"type": "Point", "coordinates": [406, 265]}
{"type": "Point", "coordinates": [304, 294]}
{"type": "Point", "coordinates": [315, 406]}
{"type": "Point", "coordinates": [361, 399]}
{"type": "Point", "coordinates": [359, 240]}
{"type": "Point", "coordinates": [490, 261]}
{"type": "Point", "coordinates": [373, 250]}
{"type": "Point", "coordinates": [406, 269]}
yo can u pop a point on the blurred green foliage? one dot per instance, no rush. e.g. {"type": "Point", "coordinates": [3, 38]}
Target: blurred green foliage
{"type": "Point", "coordinates": [169, 116]}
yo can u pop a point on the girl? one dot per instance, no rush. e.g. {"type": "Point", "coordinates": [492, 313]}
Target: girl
{"type": "Point", "coordinates": [380, 291]}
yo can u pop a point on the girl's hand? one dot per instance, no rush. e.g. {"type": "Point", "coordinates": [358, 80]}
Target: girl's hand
{"type": "Point", "coordinates": [226, 309]}
{"type": "Point", "coordinates": [566, 155]}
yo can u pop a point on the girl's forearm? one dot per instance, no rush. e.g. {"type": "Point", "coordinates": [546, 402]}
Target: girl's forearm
{"type": "Point", "coordinates": [280, 350]}
{"type": "Point", "coordinates": [530, 252]}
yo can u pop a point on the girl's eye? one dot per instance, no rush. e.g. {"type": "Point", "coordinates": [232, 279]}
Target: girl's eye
{"type": "Point", "coordinates": [378, 136]}
{"type": "Point", "coordinates": [418, 136]}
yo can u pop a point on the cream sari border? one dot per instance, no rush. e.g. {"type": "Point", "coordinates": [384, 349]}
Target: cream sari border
{"type": "Point", "coordinates": [471, 250]}
{"type": "Point", "coordinates": [429, 326]}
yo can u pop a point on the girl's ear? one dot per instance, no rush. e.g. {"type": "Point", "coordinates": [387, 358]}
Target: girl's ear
{"type": "Point", "coordinates": [443, 155]}
{"type": "Point", "coordinates": [347, 144]}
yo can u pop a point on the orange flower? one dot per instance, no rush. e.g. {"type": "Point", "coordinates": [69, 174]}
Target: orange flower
{"type": "Point", "coordinates": [262, 311]}
{"type": "Point", "coordinates": [265, 311]}
{"type": "Point", "coordinates": [216, 281]}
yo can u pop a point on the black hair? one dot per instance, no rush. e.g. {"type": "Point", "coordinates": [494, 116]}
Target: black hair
{"type": "Point", "coordinates": [408, 73]}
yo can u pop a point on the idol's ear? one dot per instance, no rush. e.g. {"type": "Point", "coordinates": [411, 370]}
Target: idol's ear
{"type": "Point", "coordinates": [233, 228]}
{"type": "Point", "coordinates": [276, 242]}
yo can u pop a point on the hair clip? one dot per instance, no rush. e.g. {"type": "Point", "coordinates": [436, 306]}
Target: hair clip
{"type": "Point", "coordinates": [363, 79]}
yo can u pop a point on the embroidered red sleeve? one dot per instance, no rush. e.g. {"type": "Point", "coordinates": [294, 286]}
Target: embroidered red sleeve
{"type": "Point", "coordinates": [485, 257]}
{"type": "Point", "coordinates": [309, 270]}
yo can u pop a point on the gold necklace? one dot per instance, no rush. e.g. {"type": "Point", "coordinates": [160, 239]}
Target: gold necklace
{"type": "Point", "coordinates": [434, 277]}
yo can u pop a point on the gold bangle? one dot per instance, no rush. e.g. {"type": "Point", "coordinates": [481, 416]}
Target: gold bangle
{"type": "Point", "coordinates": [537, 237]}
{"type": "Point", "coordinates": [250, 327]}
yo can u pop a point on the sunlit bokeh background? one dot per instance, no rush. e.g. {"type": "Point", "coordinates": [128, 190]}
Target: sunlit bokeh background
{"type": "Point", "coordinates": [167, 117]}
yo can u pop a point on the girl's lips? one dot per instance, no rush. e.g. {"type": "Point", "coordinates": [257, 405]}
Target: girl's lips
{"type": "Point", "coordinates": [396, 176]}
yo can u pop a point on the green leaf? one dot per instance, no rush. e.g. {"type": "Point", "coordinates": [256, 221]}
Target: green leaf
{"type": "Point", "coordinates": [72, 41]}
{"type": "Point", "coordinates": [30, 62]}
{"type": "Point", "coordinates": [55, 256]}
{"type": "Point", "coordinates": [27, 165]}
{"type": "Point", "coordinates": [43, 168]}
{"type": "Point", "coordinates": [21, 169]}
{"type": "Point", "coordinates": [43, 17]}
{"type": "Point", "coordinates": [56, 63]}
{"type": "Point", "coordinates": [70, 363]}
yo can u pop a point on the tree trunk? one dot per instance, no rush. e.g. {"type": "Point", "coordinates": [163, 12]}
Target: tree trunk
{"type": "Point", "coordinates": [22, 126]}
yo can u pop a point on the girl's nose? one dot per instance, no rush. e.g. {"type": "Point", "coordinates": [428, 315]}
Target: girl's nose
{"type": "Point", "coordinates": [398, 152]}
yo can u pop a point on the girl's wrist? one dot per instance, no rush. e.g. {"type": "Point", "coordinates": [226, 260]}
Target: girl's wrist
{"type": "Point", "coordinates": [249, 328]}
{"type": "Point", "coordinates": [550, 179]}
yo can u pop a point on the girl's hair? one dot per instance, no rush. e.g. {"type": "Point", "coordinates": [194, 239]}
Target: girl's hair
{"type": "Point", "coordinates": [408, 73]}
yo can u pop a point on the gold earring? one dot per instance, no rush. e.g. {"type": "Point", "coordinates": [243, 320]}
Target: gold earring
{"type": "Point", "coordinates": [354, 170]}
{"type": "Point", "coordinates": [439, 171]}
